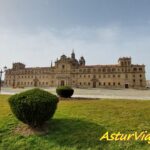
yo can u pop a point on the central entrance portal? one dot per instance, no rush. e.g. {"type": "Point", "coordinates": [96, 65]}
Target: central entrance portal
{"type": "Point", "coordinates": [126, 86]}
{"type": "Point", "coordinates": [62, 83]}
{"type": "Point", "coordinates": [94, 84]}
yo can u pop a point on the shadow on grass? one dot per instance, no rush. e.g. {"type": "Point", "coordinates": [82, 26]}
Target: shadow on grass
{"type": "Point", "coordinates": [75, 133]}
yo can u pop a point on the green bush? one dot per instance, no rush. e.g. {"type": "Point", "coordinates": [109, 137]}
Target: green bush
{"type": "Point", "coordinates": [33, 107]}
{"type": "Point", "coordinates": [65, 91]}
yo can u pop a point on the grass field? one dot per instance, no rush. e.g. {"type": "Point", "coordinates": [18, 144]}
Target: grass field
{"type": "Point", "coordinates": [78, 125]}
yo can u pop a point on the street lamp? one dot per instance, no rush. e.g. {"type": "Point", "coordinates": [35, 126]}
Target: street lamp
{"type": "Point", "coordinates": [1, 73]}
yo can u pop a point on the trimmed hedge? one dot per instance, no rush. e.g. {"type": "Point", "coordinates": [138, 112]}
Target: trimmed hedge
{"type": "Point", "coordinates": [65, 91]}
{"type": "Point", "coordinates": [33, 107]}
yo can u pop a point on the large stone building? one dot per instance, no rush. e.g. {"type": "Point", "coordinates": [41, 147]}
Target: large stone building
{"type": "Point", "coordinates": [75, 73]}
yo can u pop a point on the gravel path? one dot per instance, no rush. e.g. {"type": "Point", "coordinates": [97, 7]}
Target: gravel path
{"type": "Point", "coordinates": [97, 93]}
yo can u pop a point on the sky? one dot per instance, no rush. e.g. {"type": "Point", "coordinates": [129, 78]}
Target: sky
{"type": "Point", "coordinates": [36, 32]}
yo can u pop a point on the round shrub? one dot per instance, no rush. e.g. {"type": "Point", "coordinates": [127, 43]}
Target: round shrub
{"type": "Point", "coordinates": [65, 91]}
{"type": "Point", "coordinates": [33, 107]}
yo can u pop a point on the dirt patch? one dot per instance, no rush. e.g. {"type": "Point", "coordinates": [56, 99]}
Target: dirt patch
{"type": "Point", "coordinates": [26, 130]}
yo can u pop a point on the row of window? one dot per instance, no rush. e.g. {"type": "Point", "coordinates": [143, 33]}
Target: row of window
{"type": "Point", "coordinates": [108, 70]}
{"type": "Point", "coordinates": [101, 83]}
{"type": "Point", "coordinates": [30, 71]}
{"type": "Point", "coordinates": [84, 76]}
{"type": "Point", "coordinates": [105, 83]}
{"type": "Point", "coordinates": [135, 69]}
{"type": "Point", "coordinates": [106, 76]}
{"type": "Point", "coordinates": [29, 83]}
{"type": "Point", "coordinates": [28, 77]}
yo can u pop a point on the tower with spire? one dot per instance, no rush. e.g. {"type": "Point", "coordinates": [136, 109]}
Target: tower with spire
{"type": "Point", "coordinates": [73, 54]}
{"type": "Point", "coordinates": [82, 61]}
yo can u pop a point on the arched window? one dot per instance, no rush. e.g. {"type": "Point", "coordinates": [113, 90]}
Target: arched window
{"type": "Point", "coordinates": [63, 66]}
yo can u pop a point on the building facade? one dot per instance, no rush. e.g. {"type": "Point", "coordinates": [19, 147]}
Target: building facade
{"type": "Point", "coordinates": [148, 83]}
{"type": "Point", "coordinates": [72, 72]}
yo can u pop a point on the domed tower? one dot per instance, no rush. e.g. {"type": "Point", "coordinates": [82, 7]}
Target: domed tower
{"type": "Point", "coordinates": [73, 55]}
{"type": "Point", "coordinates": [82, 61]}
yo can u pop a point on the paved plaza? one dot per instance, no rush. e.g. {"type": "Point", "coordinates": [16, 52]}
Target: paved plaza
{"type": "Point", "coordinates": [96, 93]}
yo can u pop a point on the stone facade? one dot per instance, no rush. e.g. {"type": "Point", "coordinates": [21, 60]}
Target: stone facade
{"type": "Point", "coordinates": [72, 72]}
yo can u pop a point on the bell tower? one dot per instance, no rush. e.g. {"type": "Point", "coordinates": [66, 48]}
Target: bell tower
{"type": "Point", "coordinates": [125, 61]}
{"type": "Point", "coordinates": [73, 54]}
{"type": "Point", "coordinates": [82, 61]}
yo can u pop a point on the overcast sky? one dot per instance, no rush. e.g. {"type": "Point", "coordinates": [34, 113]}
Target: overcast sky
{"type": "Point", "coordinates": [37, 31]}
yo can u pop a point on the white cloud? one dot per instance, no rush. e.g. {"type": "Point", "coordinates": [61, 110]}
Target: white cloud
{"type": "Point", "coordinates": [98, 45]}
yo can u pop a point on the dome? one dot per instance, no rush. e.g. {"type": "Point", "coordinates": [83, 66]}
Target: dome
{"type": "Point", "coordinates": [63, 57]}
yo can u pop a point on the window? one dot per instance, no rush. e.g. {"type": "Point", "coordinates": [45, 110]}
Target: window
{"type": "Point", "coordinates": [140, 69]}
{"type": "Point", "coordinates": [104, 69]}
{"type": "Point", "coordinates": [89, 70]}
{"type": "Point", "coordinates": [113, 69]}
{"type": "Point", "coordinates": [89, 83]}
{"type": "Point", "coordinates": [63, 66]}
{"type": "Point", "coordinates": [99, 83]}
{"type": "Point", "coordinates": [134, 80]}
{"type": "Point", "coordinates": [140, 75]}
{"type": "Point", "coordinates": [114, 84]}
{"type": "Point", "coordinates": [109, 84]}
{"type": "Point", "coordinates": [118, 83]}
{"type": "Point", "coordinates": [104, 83]}
{"type": "Point", "coordinates": [108, 70]}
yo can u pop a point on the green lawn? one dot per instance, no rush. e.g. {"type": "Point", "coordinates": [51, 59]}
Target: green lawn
{"type": "Point", "coordinates": [78, 125]}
